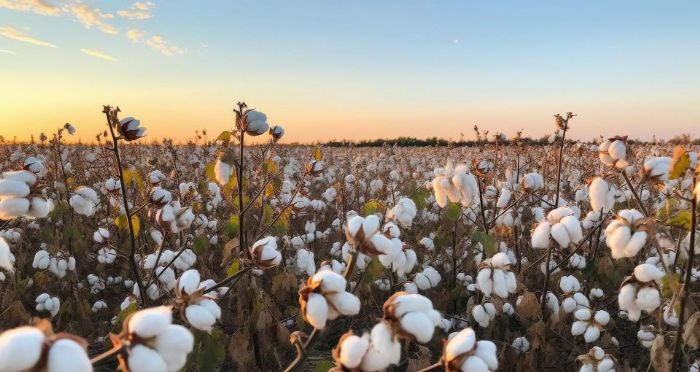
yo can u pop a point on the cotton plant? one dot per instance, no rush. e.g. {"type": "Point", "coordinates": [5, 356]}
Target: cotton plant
{"type": "Point", "coordinates": [573, 299]}
{"type": "Point", "coordinates": [265, 253]}
{"type": "Point", "coordinates": [150, 342]}
{"type": "Point", "coordinates": [47, 303]}
{"type": "Point", "coordinates": [324, 297]}
{"type": "Point", "coordinates": [589, 323]}
{"type": "Point", "coordinates": [484, 314]}
{"type": "Point", "coordinates": [403, 212]}
{"type": "Point", "coordinates": [364, 234]}
{"type": "Point", "coordinates": [627, 234]}
{"type": "Point", "coordinates": [38, 347]}
{"type": "Point", "coordinates": [196, 307]}
{"type": "Point", "coordinates": [427, 278]}
{"type": "Point", "coordinates": [84, 201]}
{"type": "Point", "coordinates": [463, 353]}
{"type": "Point", "coordinates": [454, 184]}
{"type": "Point", "coordinates": [639, 291]}
{"type": "Point", "coordinates": [495, 276]}
{"type": "Point", "coordinates": [596, 360]}
{"type": "Point", "coordinates": [561, 225]}
{"type": "Point", "coordinates": [613, 152]}
{"type": "Point", "coordinates": [20, 195]}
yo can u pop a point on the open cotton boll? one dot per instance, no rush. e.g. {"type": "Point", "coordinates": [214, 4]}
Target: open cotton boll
{"type": "Point", "coordinates": [144, 359]}
{"type": "Point", "coordinates": [352, 350]}
{"type": "Point", "coordinates": [173, 345]}
{"type": "Point", "coordinates": [647, 272]}
{"type": "Point", "coordinates": [200, 316]}
{"type": "Point", "coordinates": [20, 348]}
{"type": "Point", "coordinates": [403, 212]}
{"type": "Point", "coordinates": [13, 189]}
{"type": "Point", "coordinates": [602, 195]}
{"type": "Point", "coordinates": [541, 235]}
{"type": "Point", "coordinates": [66, 355]}
{"type": "Point", "coordinates": [150, 322]}
{"type": "Point", "coordinates": [504, 198]}
{"type": "Point", "coordinates": [305, 262]}
{"type": "Point", "coordinates": [13, 207]}
{"type": "Point", "coordinates": [7, 259]}
{"type": "Point", "coordinates": [189, 281]}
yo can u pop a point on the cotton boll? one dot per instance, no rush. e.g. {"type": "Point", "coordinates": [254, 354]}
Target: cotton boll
{"type": "Point", "coordinates": [344, 302]}
{"type": "Point", "coordinates": [145, 359]}
{"type": "Point", "coordinates": [648, 299]}
{"type": "Point", "coordinates": [66, 355]}
{"type": "Point", "coordinates": [592, 334]}
{"type": "Point", "coordinates": [486, 351]}
{"type": "Point", "coordinates": [647, 273]}
{"type": "Point", "coordinates": [316, 311]}
{"type": "Point", "coordinates": [7, 259]}
{"type": "Point", "coordinates": [541, 234]}
{"type": "Point", "coordinates": [419, 325]}
{"type": "Point", "coordinates": [20, 348]}
{"type": "Point", "coordinates": [189, 281]}
{"type": "Point", "coordinates": [150, 322]}
{"type": "Point", "coordinates": [352, 350]}
{"type": "Point", "coordinates": [13, 207]}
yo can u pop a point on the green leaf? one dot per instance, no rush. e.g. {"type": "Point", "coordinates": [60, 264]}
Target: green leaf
{"type": "Point", "coordinates": [234, 268]}
{"type": "Point", "coordinates": [232, 226]}
{"type": "Point", "coordinates": [668, 285]}
{"type": "Point", "coordinates": [323, 366]}
{"type": "Point", "coordinates": [454, 211]}
{"type": "Point", "coordinates": [679, 163]}
{"type": "Point", "coordinates": [201, 243]}
{"type": "Point", "coordinates": [420, 198]}
{"type": "Point", "coordinates": [211, 353]}
{"type": "Point", "coordinates": [127, 311]}
{"type": "Point", "coordinates": [370, 208]}
{"type": "Point", "coordinates": [487, 241]}
{"type": "Point", "coordinates": [682, 220]}
{"type": "Point", "coordinates": [373, 271]}
{"type": "Point", "coordinates": [224, 136]}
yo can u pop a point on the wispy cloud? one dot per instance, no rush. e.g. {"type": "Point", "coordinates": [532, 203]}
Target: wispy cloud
{"type": "Point", "coordinates": [98, 54]}
{"type": "Point", "coordinates": [15, 34]}
{"type": "Point", "coordinates": [7, 51]}
{"type": "Point", "coordinates": [156, 42]}
{"type": "Point", "coordinates": [138, 10]}
{"type": "Point", "coordinates": [92, 17]}
{"type": "Point", "coordinates": [36, 6]}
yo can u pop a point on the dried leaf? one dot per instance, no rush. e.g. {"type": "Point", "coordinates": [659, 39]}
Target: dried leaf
{"type": "Point", "coordinates": [691, 334]}
{"type": "Point", "coordinates": [679, 163]}
{"type": "Point", "coordinates": [661, 355]}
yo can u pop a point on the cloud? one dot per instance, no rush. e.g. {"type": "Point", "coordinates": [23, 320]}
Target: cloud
{"type": "Point", "coordinates": [90, 17]}
{"type": "Point", "coordinates": [135, 35]}
{"type": "Point", "coordinates": [138, 10]}
{"type": "Point", "coordinates": [98, 54]}
{"type": "Point", "coordinates": [42, 7]}
{"type": "Point", "coordinates": [15, 34]}
{"type": "Point", "coordinates": [158, 43]}
{"type": "Point", "coordinates": [7, 51]}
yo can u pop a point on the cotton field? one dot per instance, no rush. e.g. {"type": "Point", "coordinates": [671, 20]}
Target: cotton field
{"type": "Point", "coordinates": [238, 252]}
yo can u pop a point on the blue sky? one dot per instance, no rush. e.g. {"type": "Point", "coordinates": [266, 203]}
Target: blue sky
{"type": "Point", "coordinates": [353, 69]}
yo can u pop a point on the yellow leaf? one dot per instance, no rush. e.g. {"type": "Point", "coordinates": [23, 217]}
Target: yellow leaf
{"type": "Point", "coordinates": [224, 136]}
{"type": "Point", "coordinates": [120, 223]}
{"type": "Point", "coordinates": [317, 154]}
{"type": "Point", "coordinates": [211, 176]}
{"type": "Point", "coordinates": [679, 163]}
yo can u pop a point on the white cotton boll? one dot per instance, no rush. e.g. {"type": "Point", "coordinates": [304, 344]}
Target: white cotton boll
{"type": "Point", "coordinates": [583, 314]}
{"type": "Point", "coordinates": [521, 344]}
{"type": "Point", "coordinates": [541, 234]}
{"type": "Point", "coordinates": [13, 189]}
{"type": "Point", "coordinates": [144, 359]}
{"type": "Point", "coordinates": [189, 281]}
{"type": "Point", "coordinates": [66, 355]}
{"type": "Point", "coordinates": [648, 299]}
{"type": "Point", "coordinates": [7, 259]}
{"type": "Point", "coordinates": [560, 235]}
{"type": "Point", "coordinates": [173, 345]}
{"type": "Point", "coordinates": [485, 282]}
{"type": "Point", "coordinates": [573, 228]}
{"type": "Point", "coordinates": [504, 198]}
{"type": "Point", "coordinates": [150, 322]}
{"type": "Point", "coordinates": [305, 262]}
{"type": "Point", "coordinates": [481, 316]}
{"type": "Point", "coordinates": [648, 272]}
{"type": "Point", "coordinates": [474, 364]}
{"type": "Point", "coordinates": [13, 207]}
{"type": "Point", "coordinates": [460, 343]}
{"type": "Point", "coordinates": [352, 350]}
{"type": "Point", "coordinates": [592, 334]}
{"type": "Point", "coordinates": [499, 283]}
{"type": "Point", "coordinates": [486, 350]}
{"type": "Point", "coordinates": [602, 317]}
{"type": "Point", "coordinates": [200, 317]}
{"type": "Point", "coordinates": [20, 348]}
{"type": "Point", "coordinates": [344, 302]}
{"type": "Point", "coordinates": [410, 287]}
{"type": "Point", "coordinates": [419, 325]}
{"type": "Point", "coordinates": [317, 311]}
{"type": "Point", "coordinates": [384, 349]}
{"type": "Point", "coordinates": [578, 328]}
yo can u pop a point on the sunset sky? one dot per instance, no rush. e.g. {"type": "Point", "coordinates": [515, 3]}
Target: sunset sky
{"type": "Point", "coordinates": [331, 69]}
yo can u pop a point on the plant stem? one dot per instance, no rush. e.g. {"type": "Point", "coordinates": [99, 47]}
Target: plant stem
{"type": "Point", "coordinates": [125, 200]}
{"type": "Point", "coordinates": [547, 273]}
{"type": "Point", "coordinates": [634, 192]}
{"type": "Point", "coordinates": [302, 350]}
{"type": "Point", "coordinates": [228, 279]}
{"type": "Point", "coordinates": [686, 284]}
{"type": "Point", "coordinates": [241, 210]}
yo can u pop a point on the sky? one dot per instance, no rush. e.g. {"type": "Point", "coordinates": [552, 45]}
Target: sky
{"type": "Point", "coordinates": [332, 69]}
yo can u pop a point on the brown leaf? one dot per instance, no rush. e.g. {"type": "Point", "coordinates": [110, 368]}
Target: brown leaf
{"type": "Point", "coordinates": [241, 351]}
{"type": "Point", "coordinates": [529, 306]}
{"type": "Point", "coordinates": [661, 355]}
{"type": "Point", "coordinates": [422, 359]}
{"type": "Point", "coordinates": [691, 334]}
